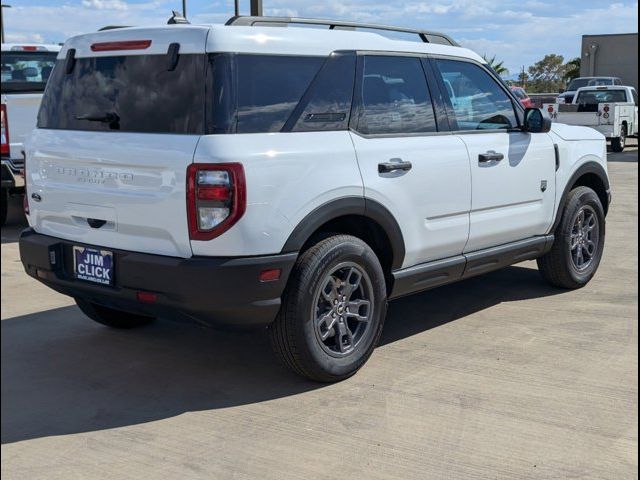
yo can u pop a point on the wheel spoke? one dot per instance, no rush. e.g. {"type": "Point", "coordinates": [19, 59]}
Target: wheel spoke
{"type": "Point", "coordinates": [355, 307]}
{"type": "Point", "coordinates": [351, 282]}
{"type": "Point", "coordinates": [325, 325]}
{"type": "Point", "coordinates": [344, 332]}
{"type": "Point", "coordinates": [330, 290]}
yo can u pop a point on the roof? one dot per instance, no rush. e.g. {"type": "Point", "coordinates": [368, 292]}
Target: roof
{"type": "Point", "coordinates": [289, 40]}
{"type": "Point", "coordinates": [42, 47]}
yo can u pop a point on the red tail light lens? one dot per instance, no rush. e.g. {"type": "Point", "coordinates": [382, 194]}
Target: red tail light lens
{"type": "Point", "coordinates": [606, 108]}
{"type": "Point", "coordinates": [5, 131]}
{"type": "Point", "coordinates": [550, 109]}
{"type": "Point", "coordinates": [216, 198]}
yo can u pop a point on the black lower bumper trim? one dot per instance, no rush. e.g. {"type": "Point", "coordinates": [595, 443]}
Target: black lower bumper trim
{"type": "Point", "coordinates": [219, 291]}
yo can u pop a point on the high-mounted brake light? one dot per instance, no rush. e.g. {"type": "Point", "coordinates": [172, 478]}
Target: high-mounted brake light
{"type": "Point", "coordinates": [124, 45]}
{"type": "Point", "coordinates": [5, 131]}
{"type": "Point", "coordinates": [216, 198]}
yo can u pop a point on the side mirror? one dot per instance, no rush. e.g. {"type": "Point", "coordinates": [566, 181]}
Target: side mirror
{"type": "Point", "coordinates": [562, 90]}
{"type": "Point", "coordinates": [535, 121]}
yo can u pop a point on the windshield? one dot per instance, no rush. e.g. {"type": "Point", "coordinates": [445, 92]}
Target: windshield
{"type": "Point", "coordinates": [593, 97]}
{"type": "Point", "coordinates": [588, 82]}
{"type": "Point", "coordinates": [519, 93]}
{"type": "Point", "coordinates": [24, 72]}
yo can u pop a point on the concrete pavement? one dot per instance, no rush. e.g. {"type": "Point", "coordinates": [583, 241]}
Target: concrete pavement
{"type": "Point", "coordinates": [500, 376]}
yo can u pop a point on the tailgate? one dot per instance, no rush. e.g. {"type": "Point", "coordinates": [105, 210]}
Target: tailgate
{"type": "Point", "coordinates": [117, 129]}
{"type": "Point", "coordinates": [22, 111]}
{"type": "Point", "coordinates": [134, 183]}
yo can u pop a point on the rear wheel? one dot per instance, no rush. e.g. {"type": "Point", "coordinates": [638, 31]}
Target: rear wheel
{"type": "Point", "coordinates": [579, 241]}
{"type": "Point", "coordinates": [333, 310]}
{"type": "Point", "coordinates": [619, 144]}
{"type": "Point", "coordinates": [110, 317]}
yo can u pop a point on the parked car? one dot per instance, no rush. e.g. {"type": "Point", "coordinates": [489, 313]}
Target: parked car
{"type": "Point", "coordinates": [25, 70]}
{"type": "Point", "coordinates": [522, 95]}
{"type": "Point", "coordinates": [295, 179]}
{"type": "Point", "coordinates": [576, 83]}
{"type": "Point", "coordinates": [613, 111]}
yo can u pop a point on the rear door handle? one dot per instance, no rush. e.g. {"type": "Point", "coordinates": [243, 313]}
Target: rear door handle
{"type": "Point", "coordinates": [490, 156]}
{"type": "Point", "coordinates": [393, 165]}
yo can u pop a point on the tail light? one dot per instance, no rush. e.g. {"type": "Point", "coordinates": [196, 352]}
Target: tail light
{"type": "Point", "coordinates": [216, 198]}
{"type": "Point", "coordinates": [5, 131]}
{"type": "Point", "coordinates": [605, 108]}
{"type": "Point", "coordinates": [550, 109]}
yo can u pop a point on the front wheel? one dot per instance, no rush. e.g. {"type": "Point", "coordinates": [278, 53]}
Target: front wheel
{"type": "Point", "coordinates": [579, 241]}
{"type": "Point", "coordinates": [619, 144]}
{"type": "Point", "coordinates": [110, 317]}
{"type": "Point", "coordinates": [332, 311]}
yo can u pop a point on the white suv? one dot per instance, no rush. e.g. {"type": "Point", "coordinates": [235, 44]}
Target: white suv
{"type": "Point", "coordinates": [295, 178]}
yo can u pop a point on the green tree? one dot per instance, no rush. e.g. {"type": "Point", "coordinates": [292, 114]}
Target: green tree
{"type": "Point", "coordinates": [498, 66]}
{"type": "Point", "coordinates": [547, 74]}
{"type": "Point", "coordinates": [572, 70]}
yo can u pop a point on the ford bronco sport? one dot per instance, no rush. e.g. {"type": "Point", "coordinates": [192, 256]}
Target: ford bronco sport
{"type": "Point", "coordinates": [295, 179]}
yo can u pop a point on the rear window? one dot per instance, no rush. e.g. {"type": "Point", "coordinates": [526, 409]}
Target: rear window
{"type": "Point", "coordinates": [26, 72]}
{"type": "Point", "coordinates": [127, 93]}
{"type": "Point", "coordinates": [603, 96]}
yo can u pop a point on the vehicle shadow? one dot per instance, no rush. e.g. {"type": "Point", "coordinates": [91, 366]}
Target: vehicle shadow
{"type": "Point", "coordinates": [63, 374]}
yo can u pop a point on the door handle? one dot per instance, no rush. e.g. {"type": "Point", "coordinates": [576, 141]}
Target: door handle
{"type": "Point", "coordinates": [490, 156]}
{"type": "Point", "coordinates": [392, 166]}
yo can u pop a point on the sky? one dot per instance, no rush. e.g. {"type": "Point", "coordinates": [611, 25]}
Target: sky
{"type": "Point", "coordinates": [517, 32]}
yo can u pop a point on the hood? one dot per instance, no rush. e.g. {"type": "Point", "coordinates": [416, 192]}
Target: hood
{"type": "Point", "coordinates": [575, 133]}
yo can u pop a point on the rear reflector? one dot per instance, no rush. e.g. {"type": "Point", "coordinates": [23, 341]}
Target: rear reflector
{"type": "Point", "coordinates": [146, 297]}
{"type": "Point", "coordinates": [124, 45]}
{"type": "Point", "coordinates": [270, 275]}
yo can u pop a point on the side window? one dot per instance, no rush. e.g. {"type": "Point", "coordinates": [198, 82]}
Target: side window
{"type": "Point", "coordinates": [395, 97]}
{"type": "Point", "coordinates": [477, 100]}
{"type": "Point", "coordinates": [635, 96]}
{"type": "Point", "coordinates": [327, 105]}
{"type": "Point", "coordinates": [269, 87]}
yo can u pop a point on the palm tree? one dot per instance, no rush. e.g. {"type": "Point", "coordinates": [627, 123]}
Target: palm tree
{"type": "Point", "coordinates": [571, 70]}
{"type": "Point", "coordinates": [498, 66]}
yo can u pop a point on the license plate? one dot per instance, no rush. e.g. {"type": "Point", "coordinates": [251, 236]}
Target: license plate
{"type": "Point", "coordinates": [92, 265]}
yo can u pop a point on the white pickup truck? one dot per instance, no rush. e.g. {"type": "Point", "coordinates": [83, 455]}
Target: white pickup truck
{"type": "Point", "coordinates": [612, 110]}
{"type": "Point", "coordinates": [25, 71]}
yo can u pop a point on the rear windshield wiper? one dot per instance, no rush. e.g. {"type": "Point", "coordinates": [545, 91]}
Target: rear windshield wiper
{"type": "Point", "coordinates": [113, 119]}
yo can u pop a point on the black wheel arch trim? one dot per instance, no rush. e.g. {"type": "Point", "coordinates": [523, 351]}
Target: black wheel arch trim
{"type": "Point", "coordinates": [590, 167]}
{"type": "Point", "coordinates": [349, 206]}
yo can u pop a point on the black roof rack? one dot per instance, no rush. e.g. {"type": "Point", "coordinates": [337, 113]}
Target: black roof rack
{"type": "Point", "coordinates": [425, 36]}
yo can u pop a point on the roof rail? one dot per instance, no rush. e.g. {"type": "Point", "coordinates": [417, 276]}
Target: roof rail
{"type": "Point", "coordinates": [425, 35]}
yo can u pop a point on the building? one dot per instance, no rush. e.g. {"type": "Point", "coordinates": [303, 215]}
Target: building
{"type": "Point", "coordinates": [613, 55]}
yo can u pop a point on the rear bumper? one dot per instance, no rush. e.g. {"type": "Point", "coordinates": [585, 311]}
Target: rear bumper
{"type": "Point", "coordinates": [216, 291]}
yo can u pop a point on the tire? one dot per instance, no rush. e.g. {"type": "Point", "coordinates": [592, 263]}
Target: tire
{"type": "Point", "coordinates": [318, 334]}
{"type": "Point", "coordinates": [618, 144]}
{"type": "Point", "coordinates": [4, 206]}
{"type": "Point", "coordinates": [561, 265]}
{"type": "Point", "coordinates": [110, 317]}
